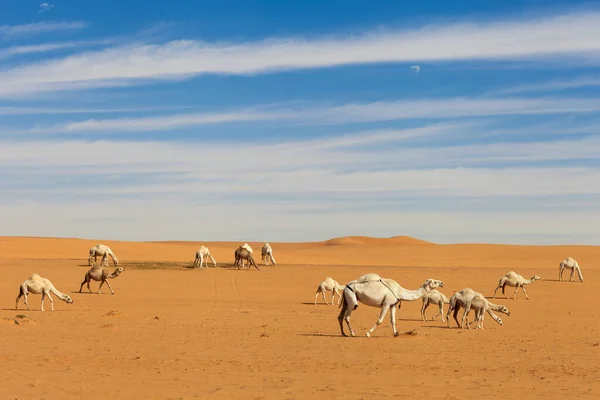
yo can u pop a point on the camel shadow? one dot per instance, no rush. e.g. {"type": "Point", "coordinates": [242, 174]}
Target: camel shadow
{"type": "Point", "coordinates": [24, 310]}
{"type": "Point", "coordinates": [310, 303]}
{"type": "Point", "coordinates": [436, 327]}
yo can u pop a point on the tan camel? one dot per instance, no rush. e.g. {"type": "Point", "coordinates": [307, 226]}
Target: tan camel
{"type": "Point", "coordinates": [104, 252]}
{"type": "Point", "coordinates": [461, 299]}
{"type": "Point", "coordinates": [569, 263]}
{"type": "Point", "coordinates": [267, 254]}
{"type": "Point", "coordinates": [480, 304]}
{"type": "Point", "coordinates": [515, 280]}
{"type": "Point", "coordinates": [102, 275]}
{"type": "Point", "coordinates": [202, 255]}
{"type": "Point", "coordinates": [375, 291]}
{"type": "Point", "coordinates": [331, 285]}
{"type": "Point", "coordinates": [243, 254]}
{"type": "Point", "coordinates": [35, 284]}
{"type": "Point", "coordinates": [434, 297]}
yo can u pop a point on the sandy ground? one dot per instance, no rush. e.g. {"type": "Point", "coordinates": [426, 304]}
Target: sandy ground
{"type": "Point", "coordinates": [172, 332]}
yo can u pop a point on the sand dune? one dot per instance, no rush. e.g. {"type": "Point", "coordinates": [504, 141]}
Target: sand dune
{"type": "Point", "coordinates": [173, 332]}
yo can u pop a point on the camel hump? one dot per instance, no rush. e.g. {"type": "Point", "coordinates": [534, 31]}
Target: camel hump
{"type": "Point", "coordinates": [34, 277]}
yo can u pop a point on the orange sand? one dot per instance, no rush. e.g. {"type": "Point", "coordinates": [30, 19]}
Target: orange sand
{"type": "Point", "coordinates": [180, 333]}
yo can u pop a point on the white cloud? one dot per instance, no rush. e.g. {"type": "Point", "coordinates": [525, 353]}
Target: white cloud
{"type": "Point", "coordinates": [9, 31]}
{"type": "Point", "coordinates": [343, 114]}
{"type": "Point", "coordinates": [45, 7]}
{"type": "Point", "coordinates": [551, 85]}
{"type": "Point", "coordinates": [47, 47]}
{"type": "Point", "coordinates": [576, 35]}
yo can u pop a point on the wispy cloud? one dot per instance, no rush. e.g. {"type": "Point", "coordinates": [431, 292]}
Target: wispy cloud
{"type": "Point", "coordinates": [49, 47]}
{"type": "Point", "coordinates": [9, 31]}
{"type": "Point", "coordinates": [342, 114]}
{"type": "Point", "coordinates": [45, 7]}
{"type": "Point", "coordinates": [550, 86]}
{"type": "Point", "coordinates": [576, 35]}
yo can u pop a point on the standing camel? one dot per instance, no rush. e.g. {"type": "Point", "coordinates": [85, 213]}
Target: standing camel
{"type": "Point", "coordinates": [463, 298]}
{"type": "Point", "coordinates": [37, 285]}
{"type": "Point", "coordinates": [434, 297]}
{"type": "Point", "coordinates": [243, 254]}
{"type": "Point", "coordinates": [515, 280]}
{"type": "Point", "coordinates": [267, 254]}
{"type": "Point", "coordinates": [100, 274]}
{"type": "Point", "coordinates": [331, 285]}
{"type": "Point", "coordinates": [375, 291]}
{"type": "Point", "coordinates": [569, 263]}
{"type": "Point", "coordinates": [202, 255]}
{"type": "Point", "coordinates": [480, 304]}
{"type": "Point", "coordinates": [104, 252]}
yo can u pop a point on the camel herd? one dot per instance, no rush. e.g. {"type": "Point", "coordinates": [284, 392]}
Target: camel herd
{"type": "Point", "coordinates": [35, 284]}
{"type": "Point", "coordinates": [375, 291]}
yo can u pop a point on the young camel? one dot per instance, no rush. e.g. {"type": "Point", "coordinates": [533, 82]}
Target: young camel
{"type": "Point", "coordinates": [515, 280]}
{"type": "Point", "coordinates": [102, 275]}
{"type": "Point", "coordinates": [375, 291]}
{"type": "Point", "coordinates": [434, 297]}
{"type": "Point", "coordinates": [480, 304]}
{"type": "Point", "coordinates": [243, 254]}
{"type": "Point", "coordinates": [35, 284]}
{"type": "Point", "coordinates": [202, 255]}
{"type": "Point", "coordinates": [331, 285]}
{"type": "Point", "coordinates": [569, 263]}
{"type": "Point", "coordinates": [267, 254]}
{"type": "Point", "coordinates": [461, 299]}
{"type": "Point", "coordinates": [104, 252]}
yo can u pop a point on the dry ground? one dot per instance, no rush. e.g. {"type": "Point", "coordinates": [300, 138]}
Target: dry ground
{"type": "Point", "coordinates": [172, 332]}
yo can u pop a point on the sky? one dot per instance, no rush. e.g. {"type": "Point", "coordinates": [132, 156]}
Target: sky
{"type": "Point", "coordinates": [452, 122]}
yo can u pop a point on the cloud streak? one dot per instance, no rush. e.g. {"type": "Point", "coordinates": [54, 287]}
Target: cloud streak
{"type": "Point", "coordinates": [576, 35]}
{"type": "Point", "coordinates": [11, 31]}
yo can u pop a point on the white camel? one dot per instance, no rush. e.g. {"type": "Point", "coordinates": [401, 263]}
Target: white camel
{"type": "Point", "coordinates": [104, 252]}
{"type": "Point", "coordinates": [480, 304]}
{"type": "Point", "coordinates": [267, 254]}
{"type": "Point", "coordinates": [331, 285]}
{"type": "Point", "coordinates": [464, 297]}
{"type": "Point", "coordinates": [434, 297]}
{"type": "Point", "coordinates": [102, 275]}
{"type": "Point", "coordinates": [35, 284]}
{"type": "Point", "coordinates": [517, 281]}
{"type": "Point", "coordinates": [202, 256]}
{"type": "Point", "coordinates": [569, 263]}
{"type": "Point", "coordinates": [375, 291]}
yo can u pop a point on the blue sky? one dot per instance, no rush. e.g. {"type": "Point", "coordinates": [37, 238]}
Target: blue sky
{"type": "Point", "coordinates": [301, 120]}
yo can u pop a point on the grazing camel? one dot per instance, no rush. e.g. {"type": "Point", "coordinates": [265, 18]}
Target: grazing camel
{"type": "Point", "coordinates": [202, 255]}
{"type": "Point", "coordinates": [434, 297]}
{"type": "Point", "coordinates": [35, 284]}
{"type": "Point", "coordinates": [104, 252]}
{"type": "Point", "coordinates": [480, 304]}
{"type": "Point", "coordinates": [375, 291]}
{"type": "Point", "coordinates": [100, 274]}
{"type": "Point", "coordinates": [515, 280]}
{"type": "Point", "coordinates": [247, 247]}
{"type": "Point", "coordinates": [243, 254]}
{"type": "Point", "coordinates": [463, 298]}
{"type": "Point", "coordinates": [569, 263]}
{"type": "Point", "coordinates": [331, 285]}
{"type": "Point", "coordinates": [267, 254]}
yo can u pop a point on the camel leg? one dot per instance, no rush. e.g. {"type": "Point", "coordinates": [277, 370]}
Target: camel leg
{"type": "Point", "coordinates": [324, 298]}
{"type": "Point", "coordinates": [393, 319]}
{"type": "Point", "coordinates": [571, 276]}
{"type": "Point", "coordinates": [51, 301]}
{"type": "Point", "coordinates": [494, 296]}
{"type": "Point", "coordinates": [441, 305]}
{"type": "Point", "coordinates": [465, 315]}
{"type": "Point", "coordinates": [423, 308]}
{"type": "Point", "coordinates": [455, 317]}
{"type": "Point", "coordinates": [339, 296]}
{"type": "Point", "coordinates": [515, 293]}
{"type": "Point", "coordinates": [43, 296]}
{"type": "Point", "coordinates": [100, 287]}
{"type": "Point", "coordinates": [560, 272]}
{"type": "Point", "coordinates": [316, 295]}
{"type": "Point", "coordinates": [384, 310]}
{"type": "Point", "coordinates": [83, 283]}
{"type": "Point", "coordinates": [525, 291]}
{"type": "Point", "coordinates": [110, 287]}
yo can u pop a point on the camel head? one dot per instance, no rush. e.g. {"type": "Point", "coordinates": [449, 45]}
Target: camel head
{"type": "Point", "coordinates": [68, 299]}
{"type": "Point", "coordinates": [118, 271]}
{"type": "Point", "coordinates": [535, 278]}
{"type": "Point", "coordinates": [499, 320]}
{"type": "Point", "coordinates": [504, 310]}
{"type": "Point", "coordinates": [430, 284]}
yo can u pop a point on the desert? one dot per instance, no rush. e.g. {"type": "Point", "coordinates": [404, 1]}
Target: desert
{"type": "Point", "coordinates": [171, 331]}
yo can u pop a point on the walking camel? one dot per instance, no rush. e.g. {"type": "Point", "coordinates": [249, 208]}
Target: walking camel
{"type": "Point", "coordinates": [331, 285]}
{"type": "Point", "coordinates": [104, 252]}
{"type": "Point", "coordinates": [569, 263]}
{"type": "Point", "coordinates": [515, 280]}
{"type": "Point", "coordinates": [243, 254]}
{"type": "Point", "coordinates": [202, 255]}
{"type": "Point", "coordinates": [434, 297]}
{"type": "Point", "coordinates": [462, 298]}
{"type": "Point", "coordinates": [375, 291]}
{"type": "Point", "coordinates": [267, 254]}
{"type": "Point", "coordinates": [480, 304]}
{"type": "Point", "coordinates": [102, 275]}
{"type": "Point", "coordinates": [35, 284]}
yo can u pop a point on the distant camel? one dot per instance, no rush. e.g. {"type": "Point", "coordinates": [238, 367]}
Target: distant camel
{"type": "Point", "coordinates": [267, 254]}
{"type": "Point", "coordinates": [100, 274]}
{"type": "Point", "coordinates": [35, 284]}
{"type": "Point", "coordinates": [102, 251]}
{"type": "Point", "coordinates": [202, 255]}
{"type": "Point", "coordinates": [515, 280]}
{"type": "Point", "coordinates": [331, 285]}
{"type": "Point", "coordinates": [243, 254]}
{"type": "Point", "coordinates": [434, 297]}
{"type": "Point", "coordinates": [375, 291]}
{"type": "Point", "coordinates": [569, 263]}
